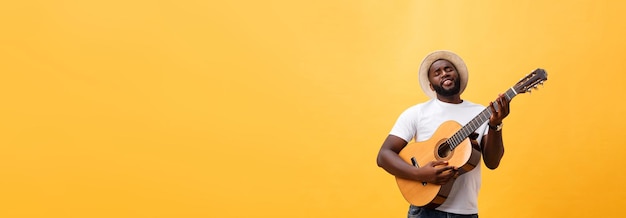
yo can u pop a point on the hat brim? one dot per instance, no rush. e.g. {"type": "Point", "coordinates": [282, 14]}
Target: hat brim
{"type": "Point", "coordinates": [461, 68]}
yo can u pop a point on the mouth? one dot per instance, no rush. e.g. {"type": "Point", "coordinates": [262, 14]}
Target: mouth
{"type": "Point", "coordinates": [447, 82]}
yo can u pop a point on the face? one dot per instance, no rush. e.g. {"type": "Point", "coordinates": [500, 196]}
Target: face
{"type": "Point", "coordinates": [444, 79]}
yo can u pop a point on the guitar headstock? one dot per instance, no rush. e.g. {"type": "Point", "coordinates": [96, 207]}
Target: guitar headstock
{"type": "Point", "coordinates": [532, 80]}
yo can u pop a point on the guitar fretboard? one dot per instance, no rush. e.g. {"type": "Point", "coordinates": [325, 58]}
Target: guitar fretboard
{"type": "Point", "coordinates": [472, 125]}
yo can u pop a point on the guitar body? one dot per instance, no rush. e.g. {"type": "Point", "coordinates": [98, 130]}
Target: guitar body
{"type": "Point", "coordinates": [464, 156]}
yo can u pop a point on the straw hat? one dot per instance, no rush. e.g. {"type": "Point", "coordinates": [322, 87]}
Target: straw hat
{"type": "Point", "coordinates": [438, 55]}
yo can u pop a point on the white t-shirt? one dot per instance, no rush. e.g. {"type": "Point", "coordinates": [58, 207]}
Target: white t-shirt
{"type": "Point", "coordinates": [420, 122]}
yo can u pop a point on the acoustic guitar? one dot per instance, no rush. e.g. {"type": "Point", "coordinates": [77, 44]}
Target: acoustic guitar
{"type": "Point", "coordinates": [450, 143]}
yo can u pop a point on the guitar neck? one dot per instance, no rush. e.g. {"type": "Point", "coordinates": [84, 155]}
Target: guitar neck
{"type": "Point", "coordinates": [472, 125]}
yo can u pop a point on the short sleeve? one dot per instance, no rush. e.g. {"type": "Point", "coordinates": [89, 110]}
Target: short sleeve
{"type": "Point", "coordinates": [406, 124]}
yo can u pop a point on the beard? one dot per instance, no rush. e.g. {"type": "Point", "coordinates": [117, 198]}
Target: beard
{"type": "Point", "coordinates": [448, 92]}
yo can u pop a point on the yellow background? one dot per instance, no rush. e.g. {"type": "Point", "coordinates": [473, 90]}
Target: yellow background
{"type": "Point", "coordinates": [278, 108]}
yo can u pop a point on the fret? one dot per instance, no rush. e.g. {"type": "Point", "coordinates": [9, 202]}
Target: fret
{"type": "Point", "coordinates": [476, 122]}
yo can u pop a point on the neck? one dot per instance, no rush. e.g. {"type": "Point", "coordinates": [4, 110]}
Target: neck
{"type": "Point", "coordinates": [455, 99]}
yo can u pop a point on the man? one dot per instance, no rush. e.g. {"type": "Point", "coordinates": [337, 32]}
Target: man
{"type": "Point", "coordinates": [443, 77]}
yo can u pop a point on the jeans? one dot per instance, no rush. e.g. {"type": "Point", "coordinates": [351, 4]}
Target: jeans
{"type": "Point", "coordinates": [420, 212]}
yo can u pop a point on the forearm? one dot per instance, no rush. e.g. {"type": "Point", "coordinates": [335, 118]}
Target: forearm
{"type": "Point", "coordinates": [392, 163]}
{"type": "Point", "coordinates": [493, 149]}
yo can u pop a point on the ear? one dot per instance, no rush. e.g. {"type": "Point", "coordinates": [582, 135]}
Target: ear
{"type": "Point", "coordinates": [431, 86]}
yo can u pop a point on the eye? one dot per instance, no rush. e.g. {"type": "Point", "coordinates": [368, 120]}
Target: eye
{"type": "Point", "coordinates": [448, 69]}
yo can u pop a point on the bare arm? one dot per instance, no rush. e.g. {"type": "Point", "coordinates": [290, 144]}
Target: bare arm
{"type": "Point", "coordinates": [493, 149]}
{"type": "Point", "coordinates": [493, 146]}
{"type": "Point", "coordinates": [389, 160]}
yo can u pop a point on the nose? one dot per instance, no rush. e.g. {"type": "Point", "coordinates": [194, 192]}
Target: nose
{"type": "Point", "coordinates": [444, 73]}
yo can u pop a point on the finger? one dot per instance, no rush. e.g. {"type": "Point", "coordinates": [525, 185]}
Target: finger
{"type": "Point", "coordinates": [439, 162]}
{"type": "Point", "coordinates": [501, 109]}
{"type": "Point", "coordinates": [455, 173]}
{"type": "Point", "coordinates": [448, 176]}
{"type": "Point", "coordinates": [473, 136]}
{"type": "Point", "coordinates": [494, 114]}
{"type": "Point", "coordinates": [492, 107]}
{"type": "Point", "coordinates": [444, 169]}
{"type": "Point", "coordinates": [507, 107]}
{"type": "Point", "coordinates": [502, 103]}
{"type": "Point", "coordinates": [504, 107]}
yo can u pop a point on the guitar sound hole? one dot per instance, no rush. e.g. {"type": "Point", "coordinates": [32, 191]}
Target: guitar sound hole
{"type": "Point", "coordinates": [444, 150]}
